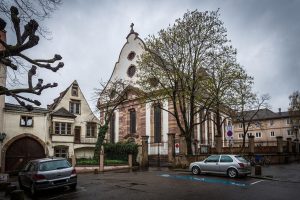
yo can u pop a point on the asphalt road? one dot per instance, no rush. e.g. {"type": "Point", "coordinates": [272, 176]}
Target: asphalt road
{"type": "Point", "coordinates": [164, 184]}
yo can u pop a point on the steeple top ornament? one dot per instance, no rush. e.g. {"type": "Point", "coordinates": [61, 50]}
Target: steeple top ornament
{"type": "Point", "coordinates": [131, 26]}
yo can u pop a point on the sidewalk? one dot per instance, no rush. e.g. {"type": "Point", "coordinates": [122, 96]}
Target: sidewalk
{"type": "Point", "coordinates": [285, 172]}
{"type": "Point", "coordinates": [86, 169]}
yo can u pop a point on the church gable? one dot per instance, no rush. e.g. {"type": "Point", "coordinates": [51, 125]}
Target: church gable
{"type": "Point", "coordinates": [126, 67]}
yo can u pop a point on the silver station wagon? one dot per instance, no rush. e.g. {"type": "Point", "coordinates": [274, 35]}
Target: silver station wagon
{"type": "Point", "coordinates": [231, 165]}
{"type": "Point", "coordinates": [47, 173]}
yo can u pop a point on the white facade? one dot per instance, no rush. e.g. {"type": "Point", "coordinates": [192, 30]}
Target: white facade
{"type": "Point", "coordinates": [39, 128]}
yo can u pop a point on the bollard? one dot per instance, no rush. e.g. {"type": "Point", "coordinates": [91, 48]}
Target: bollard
{"type": "Point", "coordinates": [130, 160]}
{"type": "Point", "coordinates": [257, 170]}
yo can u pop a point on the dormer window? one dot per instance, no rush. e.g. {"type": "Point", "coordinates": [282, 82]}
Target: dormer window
{"type": "Point", "coordinates": [75, 91]}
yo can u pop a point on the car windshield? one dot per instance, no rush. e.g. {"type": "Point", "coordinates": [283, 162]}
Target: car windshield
{"type": "Point", "coordinates": [53, 165]}
{"type": "Point", "coordinates": [241, 159]}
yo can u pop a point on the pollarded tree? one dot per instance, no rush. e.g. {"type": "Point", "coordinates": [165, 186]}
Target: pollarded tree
{"type": "Point", "coordinates": [38, 10]}
{"type": "Point", "coordinates": [176, 66]}
{"type": "Point", "coordinates": [13, 57]}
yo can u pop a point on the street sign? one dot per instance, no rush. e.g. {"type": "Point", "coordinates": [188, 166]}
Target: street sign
{"type": "Point", "coordinates": [229, 133]}
{"type": "Point", "coordinates": [177, 148]}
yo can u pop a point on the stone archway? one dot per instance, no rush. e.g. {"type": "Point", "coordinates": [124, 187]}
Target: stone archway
{"type": "Point", "coordinates": [19, 150]}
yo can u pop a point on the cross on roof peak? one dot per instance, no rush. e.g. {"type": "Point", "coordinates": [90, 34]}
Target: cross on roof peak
{"type": "Point", "coordinates": [131, 26]}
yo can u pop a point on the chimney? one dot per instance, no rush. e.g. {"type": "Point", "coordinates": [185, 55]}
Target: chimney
{"type": "Point", "coordinates": [279, 111]}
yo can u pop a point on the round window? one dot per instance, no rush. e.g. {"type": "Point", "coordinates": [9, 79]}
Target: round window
{"type": "Point", "coordinates": [131, 55]}
{"type": "Point", "coordinates": [131, 71]}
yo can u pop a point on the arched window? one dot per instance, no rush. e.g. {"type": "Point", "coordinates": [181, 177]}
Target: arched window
{"type": "Point", "coordinates": [112, 129]}
{"type": "Point", "coordinates": [132, 115]}
{"type": "Point", "coordinates": [157, 123]}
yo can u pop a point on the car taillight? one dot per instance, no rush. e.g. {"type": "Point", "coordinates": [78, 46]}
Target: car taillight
{"type": "Point", "coordinates": [74, 171]}
{"type": "Point", "coordinates": [241, 165]}
{"type": "Point", "coordinates": [38, 177]}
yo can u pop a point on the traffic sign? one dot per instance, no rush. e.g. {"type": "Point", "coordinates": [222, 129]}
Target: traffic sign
{"type": "Point", "coordinates": [177, 148]}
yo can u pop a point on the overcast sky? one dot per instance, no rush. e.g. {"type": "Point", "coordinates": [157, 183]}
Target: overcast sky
{"type": "Point", "coordinates": [89, 34]}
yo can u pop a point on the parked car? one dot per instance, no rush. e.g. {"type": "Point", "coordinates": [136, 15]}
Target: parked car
{"type": "Point", "coordinates": [47, 173]}
{"type": "Point", "coordinates": [231, 165]}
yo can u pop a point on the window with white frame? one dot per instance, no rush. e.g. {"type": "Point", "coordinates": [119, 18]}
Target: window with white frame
{"type": "Point", "coordinates": [272, 134]}
{"type": "Point", "coordinates": [62, 128]}
{"type": "Point", "coordinates": [249, 134]}
{"type": "Point", "coordinates": [257, 124]}
{"type": "Point", "coordinates": [288, 121]}
{"type": "Point", "coordinates": [75, 107]}
{"type": "Point", "coordinates": [240, 125]}
{"type": "Point", "coordinates": [75, 91]}
{"type": "Point", "coordinates": [290, 132]}
{"type": "Point", "coordinates": [61, 151]}
{"type": "Point", "coordinates": [91, 129]}
{"type": "Point", "coordinates": [240, 135]}
{"type": "Point", "coordinates": [271, 122]}
{"type": "Point", "coordinates": [258, 135]}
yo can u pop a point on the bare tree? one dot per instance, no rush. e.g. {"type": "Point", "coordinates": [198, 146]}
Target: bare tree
{"type": "Point", "coordinates": [177, 63]}
{"type": "Point", "coordinates": [247, 105]}
{"type": "Point", "coordinates": [294, 111]}
{"type": "Point", "coordinates": [10, 56]}
{"type": "Point", "coordinates": [110, 95]}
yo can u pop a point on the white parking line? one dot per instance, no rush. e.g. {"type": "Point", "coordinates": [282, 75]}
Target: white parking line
{"type": "Point", "coordinates": [256, 182]}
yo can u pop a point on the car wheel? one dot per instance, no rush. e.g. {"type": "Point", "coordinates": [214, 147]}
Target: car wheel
{"type": "Point", "coordinates": [196, 170]}
{"type": "Point", "coordinates": [73, 187]}
{"type": "Point", "coordinates": [232, 173]}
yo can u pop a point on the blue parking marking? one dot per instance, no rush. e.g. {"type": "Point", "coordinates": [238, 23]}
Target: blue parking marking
{"type": "Point", "coordinates": [207, 180]}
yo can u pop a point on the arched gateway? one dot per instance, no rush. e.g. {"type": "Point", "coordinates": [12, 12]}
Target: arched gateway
{"type": "Point", "coordinates": [20, 151]}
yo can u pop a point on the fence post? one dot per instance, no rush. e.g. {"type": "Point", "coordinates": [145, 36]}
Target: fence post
{"type": "Point", "coordinates": [144, 160]}
{"type": "Point", "coordinates": [171, 147]}
{"type": "Point", "coordinates": [279, 144]}
{"type": "Point", "coordinates": [251, 144]}
{"type": "Point", "coordinates": [73, 158]}
{"type": "Point", "coordinates": [182, 145]}
{"type": "Point", "coordinates": [289, 145]}
{"type": "Point", "coordinates": [297, 146]}
{"type": "Point", "coordinates": [130, 160]}
{"type": "Point", "coordinates": [101, 160]}
{"type": "Point", "coordinates": [218, 144]}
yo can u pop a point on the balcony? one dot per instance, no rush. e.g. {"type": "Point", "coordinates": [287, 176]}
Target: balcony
{"type": "Point", "coordinates": [62, 138]}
